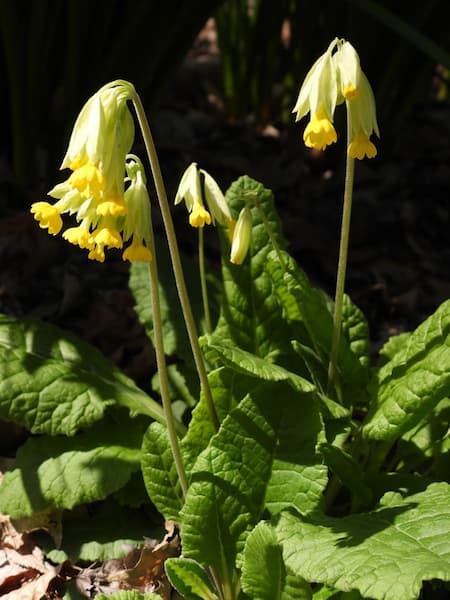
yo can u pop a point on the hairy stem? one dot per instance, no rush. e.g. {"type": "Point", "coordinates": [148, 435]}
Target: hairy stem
{"type": "Point", "coordinates": [175, 257]}
{"type": "Point", "coordinates": [342, 265]}
{"type": "Point", "coordinates": [201, 262]}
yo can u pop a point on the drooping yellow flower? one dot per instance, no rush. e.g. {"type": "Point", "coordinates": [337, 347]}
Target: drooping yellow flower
{"type": "Point", "coordinates": [48, 217]}
{"type": "Point", "coordinates": [319, 132]}
{"type": "Point", "coordinates": [137, 223]}
{"type": "Point", "coordinates": [336, 77]}
{"type": "Point", "coordinates": [108, 215]}
{"type": "Point", "coordinates": [318, 96]}
{"type": "Point", "coordinates": [363, 121]}
{"type": "Point", "coordinates": [192, 190]}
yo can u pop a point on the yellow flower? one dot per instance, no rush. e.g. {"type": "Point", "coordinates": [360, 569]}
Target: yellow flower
{"type": "Point", "coordinates": [79, 236]}
{"type": "Point", "coordinates": [195, 185]}
{"type": "Point", "coordinates": [137, 253]}
{"type": "Point", "coordinates": [363, 121]}
{"type": "Point", "coordinates": [318, 96]}
{"type": "Point", "coordinates": [361, 146]}
{"type": "Point", "coordinates": [337, 77]}
{"type": "Point", "coordinates": [137, 222]}
{"type": "Point", "coordinates": [107, 214]}
{"type": "Point", "coordinates": [319, 132]}
{"type": "Point", "coordinates": [48, 217]}
{"type": "Point", "coordinates": [241, 236]}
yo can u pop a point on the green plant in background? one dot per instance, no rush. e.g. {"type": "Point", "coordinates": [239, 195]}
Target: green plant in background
{"type": "Point", "coordinates": [54, 52]}
{"type": "Point", "coordinates": [286, 483]}
{"type": "Point", "coordinates": [263, 42]}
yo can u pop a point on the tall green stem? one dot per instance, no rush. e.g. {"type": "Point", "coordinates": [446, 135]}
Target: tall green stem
{"type": "Point", "coordinates": [162, 371]}
{"type": "Point", "coordinates": [175, 257]}
{"type": "Point", "coordinates": [201, 262]}
{"type": "Point", "coordinates": [342, 264]}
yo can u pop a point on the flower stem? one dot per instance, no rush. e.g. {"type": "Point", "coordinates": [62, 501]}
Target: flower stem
{"type": "Point", "coordinates": [201, 261]}
{"type": "Point", "coordinates": [342, 265]}
{"type": "Point", "coordinates": [162, 370]}
{"type": "Point", "coordinates": [175, 257]}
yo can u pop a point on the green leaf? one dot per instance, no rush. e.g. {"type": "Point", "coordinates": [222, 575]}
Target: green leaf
{"type": "Point", "coordinates": [348, 470]}
{"type": "Point", "coordinates": [159, 472]}
{"type": "Point", "coordinates": [264, 574]}
{"type": "Point", "coordinates": [385, 554]}
{"type": "Point", "coordinates": [356, 330]}
{"type": "Point", "coordinates": [250, 316]}
{"type": "Point", "coordinates": [189, 579]}
{"type": "Point", "coordinates": [413, 381]}
{"type": "Point", "coordinates": [308, 312]}
{"type": "Point", "coordinates": [176, 341]}
{"type": "Point", "coordinates": [227, 389]}
{"type": "Point", "coordinates": [64, 472]}
{"type": "Point", "coordinates": [51, 382]}
{"type": "Point", "coordinates": [230, 478]}
{"type": "Point", "coordinates": [105, 530]}
{"type": "Point", "coordinates": [251, 364]}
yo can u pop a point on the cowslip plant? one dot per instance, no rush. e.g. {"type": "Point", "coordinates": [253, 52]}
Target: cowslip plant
{"type": "Point", "coordinates": [287, 483]}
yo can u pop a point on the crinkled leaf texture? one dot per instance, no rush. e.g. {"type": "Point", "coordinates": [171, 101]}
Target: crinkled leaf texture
{"type": "Point", "coordinates": [385, 554]}
{"type": "Point", "coordinates": [159, 472]}
{"type": "Point", "coordinates": [251, 317]}
{"type": "Point", "coordinates": [245, 461]}
{"type": "Point", "coordinates": [189, 579]}
{"type": "Point", "coordinates": [264, 574]}
{"type": "Point", "coordinates": [89, 536]}
{"type": "Point", "coordinates": [308, 312]}
{"type": "Point", "coordinates": [60, 472]}
{"type": "Point", "coordinates": [413, 381]}
{"type": "Point", "coordinates": [51, 382]}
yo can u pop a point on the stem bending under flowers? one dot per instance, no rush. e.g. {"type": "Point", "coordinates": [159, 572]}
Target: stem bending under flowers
{"type": "Point", "coordinates": [175, 257]}
{"type": "Point", "coordinates": [342, 264]}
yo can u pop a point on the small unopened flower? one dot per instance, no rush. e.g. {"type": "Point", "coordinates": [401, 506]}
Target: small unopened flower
{"type": "Point", "coordinates": [337, 77]}
{"type": "Point", "coordinates": [95, 190]}
{"type": "Point", "coordinates": [194, 191]}
{"type": "Point", "coordinates": [241, 236]}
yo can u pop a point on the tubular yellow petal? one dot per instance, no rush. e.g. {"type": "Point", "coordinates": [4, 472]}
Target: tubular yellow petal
{"type": "Point", "coordinates": [361, 146]}
{"type": "Point", "coordinates": [137, 253]}
{"type": "Point", "coordinates": [319, 132]}
{"type": "Point", "coordinates": [107, 236]}
{"type": "Point", "coordinates": [199, 216]}
{"type": "Point", "coordinates": [48, 216]}
{"type": "Point", "coordinates": [78, 236]}
{"type": "Point", "coordinates": [115, 208]}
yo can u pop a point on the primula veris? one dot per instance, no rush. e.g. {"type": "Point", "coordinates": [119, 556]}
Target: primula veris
{"type": "Point", "coordinates": [193, 191]}
{"type": "Point", "coordinates": [336, 77]}
{"type": "Point", "coordinates": [95, 190]}
{"type": "Point", "coordinates": [241, 236]}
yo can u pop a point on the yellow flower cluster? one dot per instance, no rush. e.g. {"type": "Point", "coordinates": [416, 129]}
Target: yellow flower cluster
{"type": "Point", "coordinates": [337, 77]}
{"type": "Point", "coordinates": [197, 184]}
{"type": "Point", "coordinates": [110, 207]}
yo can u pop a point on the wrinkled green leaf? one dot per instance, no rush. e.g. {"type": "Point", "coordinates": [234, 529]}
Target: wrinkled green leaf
{"type": "Point", "coordinates": [251, 364]}
{"type": "Point", "coordinates": [250, 315]}
{"type": "Point", "coordinates": [63, 472]}
{"type": "Point", "coordinates": [308, 311]}
{"type": "Point", "coordinates": [104, 531]}
{"type": "Point", "coordinates": [189, 579]}
{"type": "Point", "coordinates": [230, 478]}
{"type": "Point", "coordinates": [413, 381]}
{"type": "Point", "coordinates": [51, 382]}
{"type": "Point", "coordinates": [227, 389]}
{"type": "Point", "coordinates": [264, 574]}
{"type": "Point", "coordinates": [159, 472]}
{"type": "Point", "coordinates": [385, 554]}
{"type": "Point", "coordinates": [356, 330]}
